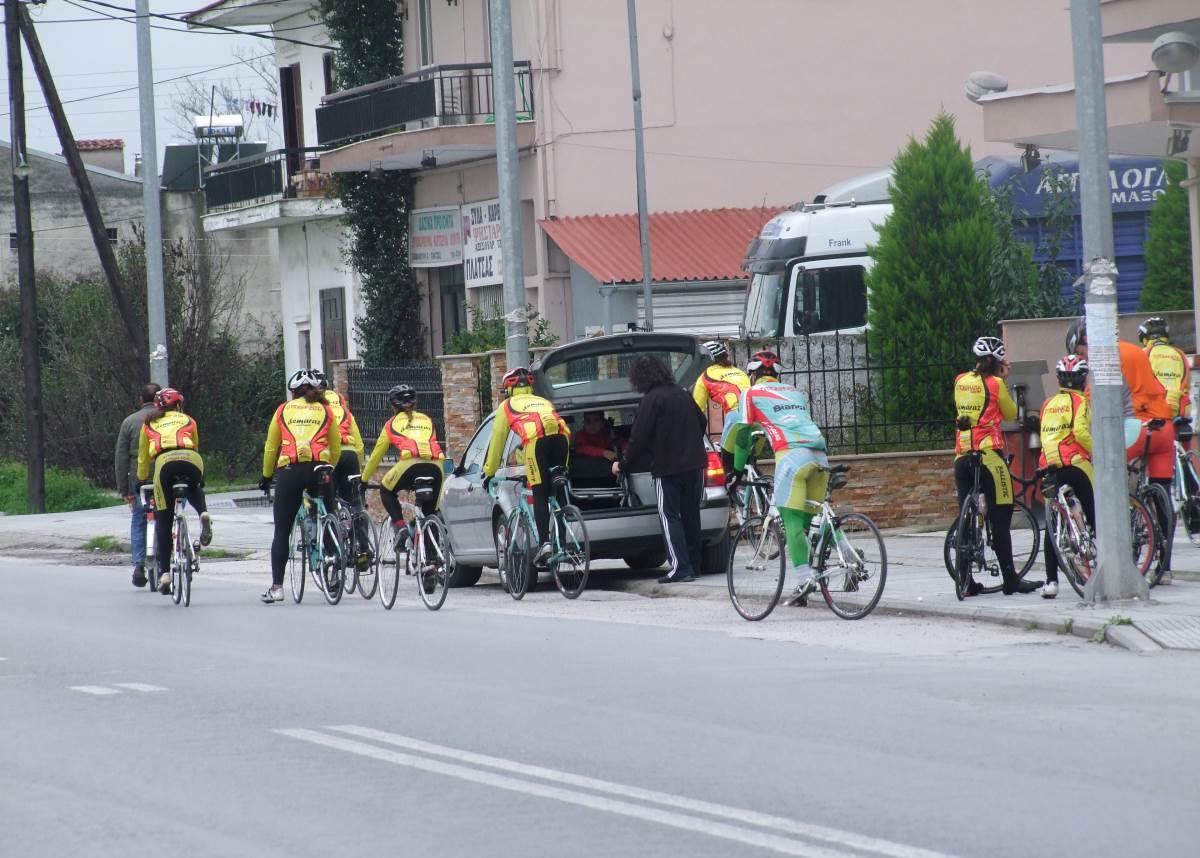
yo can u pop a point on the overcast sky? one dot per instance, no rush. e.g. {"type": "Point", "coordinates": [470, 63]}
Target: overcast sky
{"type": "Point", "coordinates": [91, 58]}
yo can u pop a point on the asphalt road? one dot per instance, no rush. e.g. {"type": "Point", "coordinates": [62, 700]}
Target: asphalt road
{"type": "Point", "coordinates": [612, 726]}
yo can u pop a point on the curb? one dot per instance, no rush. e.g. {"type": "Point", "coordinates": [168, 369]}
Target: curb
{"type": "Point", "coordinates": [1088, 628]}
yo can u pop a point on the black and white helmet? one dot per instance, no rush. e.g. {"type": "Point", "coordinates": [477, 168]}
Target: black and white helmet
{"type": "Point", "coordinates": [1076, 334]}
{"type": "Point", "coordinates": [989, 347]}
{"type": "Point", "coordinates": [302, 377]}
{"type": "Point", "coordinates": [716, 349]}
{"type": "Point", "coordinates": [401, 394]}
{"type": "Point", "coordinates": [1152, 329]}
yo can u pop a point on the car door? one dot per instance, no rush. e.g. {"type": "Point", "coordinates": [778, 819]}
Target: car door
{"type": "Point", "coordinates": [466, 507]}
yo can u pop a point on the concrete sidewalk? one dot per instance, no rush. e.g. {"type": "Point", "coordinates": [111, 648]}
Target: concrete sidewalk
{"type": "Point", "coordinates": [917, 583]}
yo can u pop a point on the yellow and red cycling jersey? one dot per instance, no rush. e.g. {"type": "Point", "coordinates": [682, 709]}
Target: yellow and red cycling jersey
{"type": "Point", "coordinates": [1174, 372]}
{"type": "Point", "coordinates": [301, 431]}
{"type": "Point", "coordinates": [722, 385]}
{"type": "Point", "coordinates": [985, 402]}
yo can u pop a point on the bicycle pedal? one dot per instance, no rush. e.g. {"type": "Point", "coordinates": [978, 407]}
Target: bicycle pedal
{"type": "Point", "coordinates": [196, 546]}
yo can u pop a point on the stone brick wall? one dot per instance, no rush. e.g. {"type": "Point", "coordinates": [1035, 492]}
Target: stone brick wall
{"type": "Point", "coordinates": [339, 375]}
{"type": "Point", "coordinates": [900, 489]}
{"type": "Point", "coordinates": [460, 396]}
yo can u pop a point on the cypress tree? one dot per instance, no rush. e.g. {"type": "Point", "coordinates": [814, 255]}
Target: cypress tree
{"type": "Point", "coordinates": [930, 288]}
{"type": "Point", "coordinates": [1168, 283]}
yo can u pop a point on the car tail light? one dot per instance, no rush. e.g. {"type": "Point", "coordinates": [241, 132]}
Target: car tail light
{"type": "Point", "coordinates": [714, 471]}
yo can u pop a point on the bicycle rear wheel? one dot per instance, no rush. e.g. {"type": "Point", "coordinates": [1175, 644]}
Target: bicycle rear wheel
{"type": "Point", "coordinates": [388, 564]}
{"type": "Point", "coordinates": [1190, 512]}
{"type": "Point", "coordinates": [1076, 559]}
{"type": "Point", "coordinates": [1157, 500]}
{"type": "Point", "coordinates": [1143, 533]}
{"type": "Point", "coordinates": [350, 540]}
{"type": "Point", "coordinates": [1026, 538]}
{"type": "Point", "coordinates": [853, 567]}
{"type": "Point", "coordinates": [433, 574]}
{"type": "Point", "coordinates": [521, 548]}
{"type": "Point", "coordinates": [967, 543]}
{"type": "Point", "coordinates": [333, 562]}
{"type": "Point", "coordinates": [756, 568]}
{"type": "Point", "coordinates": [179, 558]}
{"type": "Point", "coordinates": [298, 563]}
{"type": "Point", "coordinates": [368, 579]}
{"type": "Point", "coordinates": [571, 567]}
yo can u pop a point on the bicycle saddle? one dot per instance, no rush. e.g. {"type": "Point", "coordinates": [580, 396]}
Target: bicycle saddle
{"type": "Point", "coordinates": [558, 474]}
{"type": "Point", "coordinates": [179, 490]}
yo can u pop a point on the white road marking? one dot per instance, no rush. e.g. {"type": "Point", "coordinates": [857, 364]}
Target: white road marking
{"type": "Point", "coordinates": [98, 690]}
{"type": "Point", "coordinates": [695, 824]}
{"type": "Point", "coordinates": [139, 686]}
{"type": "Point", "coordinates": [735, 814]}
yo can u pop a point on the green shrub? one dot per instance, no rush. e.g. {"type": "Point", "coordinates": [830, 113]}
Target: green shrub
{"type": "Point", "coordinates": [1168, 283]}
{"type": "Point", "coordinates": [66, 491]}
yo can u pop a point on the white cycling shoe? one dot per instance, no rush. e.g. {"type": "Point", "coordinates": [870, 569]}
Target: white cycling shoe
{"type": "Point", "coordinates": [1049, 589]}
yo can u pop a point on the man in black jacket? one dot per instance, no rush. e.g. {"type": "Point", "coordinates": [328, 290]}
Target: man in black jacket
{"type": "Point", "coordinates": [669, 428]}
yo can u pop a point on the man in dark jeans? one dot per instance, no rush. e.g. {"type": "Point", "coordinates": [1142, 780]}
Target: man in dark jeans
{"type": "Point", "coordinates": [669, 428]}
{"type": "Point", "coordinates": [127, 484]}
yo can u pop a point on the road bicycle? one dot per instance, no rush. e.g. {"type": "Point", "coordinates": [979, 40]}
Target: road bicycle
{"type": "Point", "coordinates": [360, 537]}
{"type": "Point", "coordinates": [1185, 488]}
{"type": "Point", "coordinates": [979, 562]}
{"type": "Point", "coordinates": [517, 544]}
{"type": "Point", "coordinates": [752, 497]}
{"type": "Point", "coordinates": [185, 560]}
{"type": "Point", "coordinates": [968, 549]}
{"type": "Point", "coordinates": [848, 558]}
{"type": "Point", "coordinates": [424, 546]}
{"type": "Point", "coordinates": [318, 549]}
{"type": "Point", "coordinates": [1156, 499]}
{"type": "Point", "coordinates": [1070, 536]}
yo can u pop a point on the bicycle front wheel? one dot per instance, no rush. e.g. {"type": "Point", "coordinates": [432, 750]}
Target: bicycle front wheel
{"type": "Point", "coordinates": [333, 562]}
{"type": "Point", "coordinates": [179, 559]}
{"type": "Point", "coordinates": [1190, 511]}
{"type": "Point", "coordinates": [1026, 538]}
{"type": "Point", "coordinates": [521, 548]}
{"type": "Point", "coordinates": [368, 579]}
{"type": "Point", "coordinates": [854, 567]}
{"type": "Point", "coordinates": [1157, 500]}
{"type": "Point", "coordinates": [433, 571]}
{"type": "Point", "coordinates": [756, 568]}
{"type": "Point", "coordinates": [967, 546]}
{"type": "Point", "coordinates": [574, 554]}
{"type": "Point", "coordinates": [388, 564]}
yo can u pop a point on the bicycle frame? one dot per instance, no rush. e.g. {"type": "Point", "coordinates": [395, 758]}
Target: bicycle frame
{"type": "Point", "coordinates": [312, 507]}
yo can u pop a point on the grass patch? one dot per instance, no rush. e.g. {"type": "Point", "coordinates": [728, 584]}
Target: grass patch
{"type": "Point", "coordinates": [105, 543]}
{"type": "Point", "coordinates": [241, 483]}
{"type": "Point", "coordinates": [211, 553]}
{"type": "Point", "coordinates": [66, 491]}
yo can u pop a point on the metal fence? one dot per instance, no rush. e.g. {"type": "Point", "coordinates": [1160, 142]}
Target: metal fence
{"type": "Point", "coordinates": [870, 396]}
{"type": "Point", "coordinates": [368, 395]}
{"type": "Point", "coordinates": [457, 94]}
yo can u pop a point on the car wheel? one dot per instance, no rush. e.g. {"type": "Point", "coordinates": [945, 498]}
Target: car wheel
{"type": "Point", "coordinates": [645, 559]}
{"type": "Point", "coordinates": [716, 555]}
{"type": "Point", "coordinates": [465, 576]}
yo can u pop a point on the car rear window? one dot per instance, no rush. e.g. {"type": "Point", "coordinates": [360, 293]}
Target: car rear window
{"type": "Point", "coordinates": [608, 374]}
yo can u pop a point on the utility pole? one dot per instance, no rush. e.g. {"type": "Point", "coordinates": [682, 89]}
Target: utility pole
{"type": "Point", "coordinates": [87, 197]}
{"type": "Point", "coordinates": [639, 147]}
{"type": "Point", "coordinates": [1115, 576]}
{"type": "Point", "coordinates": [504, 108]}
{"type": "Point", "coordinates": [35, 442]}
{"type": "Point", "coordinates": [156, 301]}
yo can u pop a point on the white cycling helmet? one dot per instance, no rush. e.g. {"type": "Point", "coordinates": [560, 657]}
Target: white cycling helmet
{"type": "Point", "coordinates": [989, 347]}
{"type": "Point", "coordinates": [302, 377]}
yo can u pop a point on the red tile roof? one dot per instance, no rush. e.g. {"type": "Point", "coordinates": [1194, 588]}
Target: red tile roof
{"type": "Point", "coordinates": [692, 245]}
{"type": "Point", "coordinates": [100, 145]}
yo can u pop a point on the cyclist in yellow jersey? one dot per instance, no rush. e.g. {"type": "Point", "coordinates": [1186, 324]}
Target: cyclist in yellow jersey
{"type": "Point", "coordinates": [1169, 363]}
{"type": "Point", "coordinates": [545, 440]}
{"type": "Point", "coordinates": [1065, 425]}
{"type": "Point", "coordinates": [348, 464]}
{"type": "Point", "coordinates": [981, 403]}
{"type": "Point", "coordinates": [303, 444]}
{"type": "Point", "coordinates": [169, 451]}
{"type": "Point", "coordinates": [413, 435]}
{"type": "Point", "coordinates": [722, 383]}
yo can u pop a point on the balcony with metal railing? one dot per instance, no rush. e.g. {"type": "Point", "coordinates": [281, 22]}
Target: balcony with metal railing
{"type": "Point", "coordinates": [437, 115]}
{"type": "Point", "coordinates": [271, 189]}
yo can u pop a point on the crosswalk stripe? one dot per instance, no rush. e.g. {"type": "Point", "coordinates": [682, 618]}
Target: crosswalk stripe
{"type": "Point", "coordinates": [694, 824]}
{"type": "Point", "coordinates": [741, 815]}
{"type": "Point", "coordinates": [98, 690]}
{"type": "Point", "coordinates": [139, 686]}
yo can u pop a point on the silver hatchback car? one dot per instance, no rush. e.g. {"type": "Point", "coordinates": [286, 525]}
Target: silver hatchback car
{"type": "Point", "coordinates": [588, 377]}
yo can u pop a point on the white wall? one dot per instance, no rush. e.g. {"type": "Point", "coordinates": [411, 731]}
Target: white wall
{"type": "Point", "coordinates": [310, 259]}
{"type": "Point", "coordinates": [312, 68]}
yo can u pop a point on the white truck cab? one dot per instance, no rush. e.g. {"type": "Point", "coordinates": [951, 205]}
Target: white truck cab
{"type": "Point", "coordinates": [808, 265]}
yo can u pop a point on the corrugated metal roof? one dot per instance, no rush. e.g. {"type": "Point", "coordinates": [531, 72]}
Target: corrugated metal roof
{"type": "Point", "coordinates": [708, 244]}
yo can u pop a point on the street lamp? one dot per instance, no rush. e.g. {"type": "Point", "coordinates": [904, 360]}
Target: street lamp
{"type": "Point", "coordinates": [1174, 52]}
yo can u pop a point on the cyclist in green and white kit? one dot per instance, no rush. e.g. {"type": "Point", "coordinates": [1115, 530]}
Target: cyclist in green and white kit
{"type": "Point", "coordinates": [801, 467]}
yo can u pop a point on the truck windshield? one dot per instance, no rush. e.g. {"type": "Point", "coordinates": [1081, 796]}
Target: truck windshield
{"type": "Point", "coordinates": [765, 305]}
